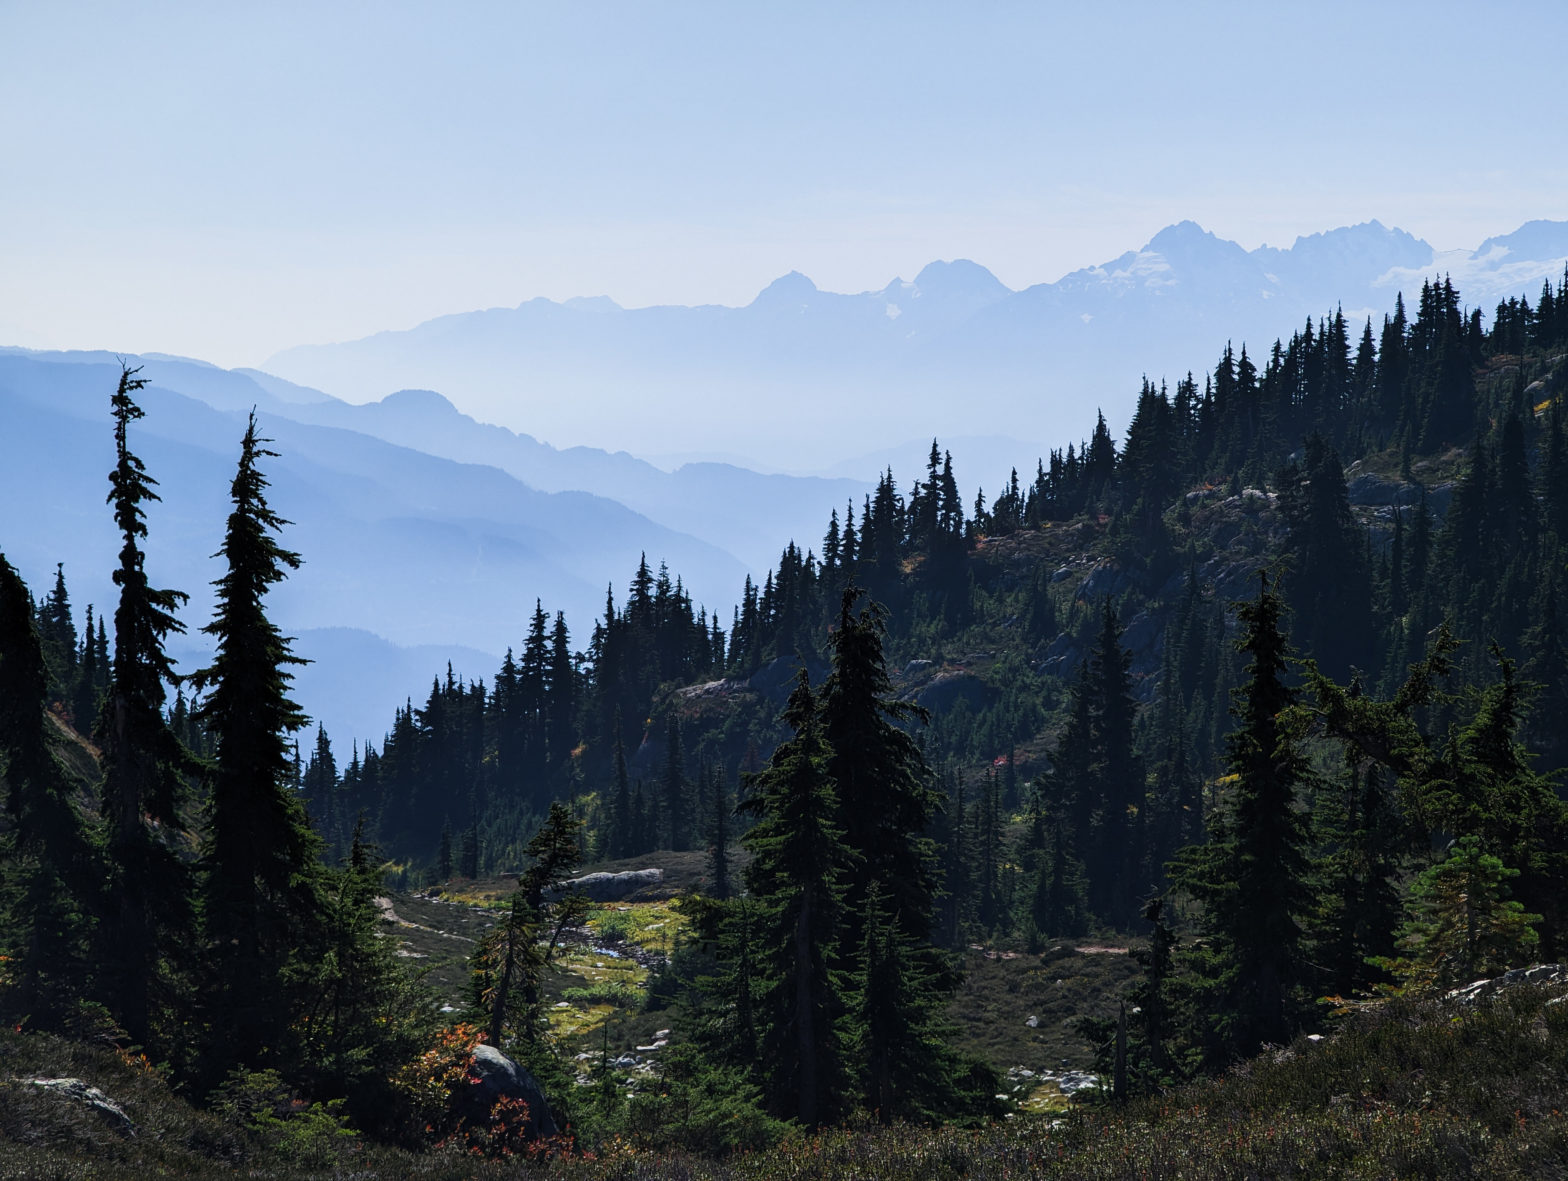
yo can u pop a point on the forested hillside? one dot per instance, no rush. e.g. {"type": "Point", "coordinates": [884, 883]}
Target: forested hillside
{"type": "Point", "coordinates": [1394, 476]}
{"type": "Point", "coordinates": [1271, 688]}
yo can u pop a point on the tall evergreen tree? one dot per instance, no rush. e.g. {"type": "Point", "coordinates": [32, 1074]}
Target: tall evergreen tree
{"type": "Point", "coordinates": [799, 863]}
{"type": "Point", "coordinates": [144, 763]}
{"type": "Point", "coordinates": [261, 858]}
{"type": "Point", "coordinates": [885, 796]}
{"type": "Point", "coordinates": [1115, 848]}
{"type": "Point", "coordinates": [1251, 877]}
{"type": "Point", "coordinates": [623, 834]}
{"type": "Point", "coordinates": [320, 792]}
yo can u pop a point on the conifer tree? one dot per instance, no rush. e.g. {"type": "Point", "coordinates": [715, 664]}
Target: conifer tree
{"type": "Point", "coordinates": [91, 677]}
{"type": "Point", "coordinates": [468, 852]}
{"type": "Point", "coordinates": [507, 961]}
{"type": "Point", "coordinates": [444, 853]}
{"type": "Point", "coordinates": [319, 785]}
{"type": "Point", "coordinates": [731, 1034]}
{"type": "Point", "coordinates": [1461, 924]}
{"type": "Point", "coordinates": [909, 1070]}
{"type": "Point", "coordinates": [1059, 909]}
{"type": "Point", "coordinates": [561, 695]}
{"type": "Point", "coordinates": [1330, 585]}
{"type": "Point", "coordinates": [956, 869]}
{"type": "Point", "coordinates": [797, 872]}
{"type": "Point", "coordinates": [1115, 847]}
{"type": "Point", "coordinates": [1481, 784]}
{"type": "Point", "coordinates": [361, 1017]}
{"type": "Point", "coordinates": [49, 869]}
{"type": "Point", "coordinates": [1358, 908]}
{"type": "Point", "coordinates": [885, 797]}
{"type": "Point", "coordinates": [1152, 1063]}
{"type": "Point", "coordinates": [1251, 876]}
{"type": "Point", "coordinates": [261, 858]}
{"type": "Point", "coordinates": [57, 637]}
{"type": "Point", "coordinates": [144, 763]}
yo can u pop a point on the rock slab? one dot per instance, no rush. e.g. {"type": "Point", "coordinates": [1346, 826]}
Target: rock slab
{"type": "Point", "coordinates": [500, 1077]}
{"type": "Point", "coordinates": [608, 887]}
{"type": "Point", "coordinates": [78, 1091]}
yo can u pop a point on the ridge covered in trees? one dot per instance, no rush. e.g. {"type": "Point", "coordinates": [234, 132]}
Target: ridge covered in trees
{"type": "Point", "coordinates": [1287, 721]}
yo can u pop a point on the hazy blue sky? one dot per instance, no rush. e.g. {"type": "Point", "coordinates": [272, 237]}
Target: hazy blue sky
{"type": "Point", "coordinates": [224, 180]}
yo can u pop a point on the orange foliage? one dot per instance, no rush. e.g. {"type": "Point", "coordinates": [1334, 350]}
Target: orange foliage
{"type": "Point", "coordinates": [433, 1085]}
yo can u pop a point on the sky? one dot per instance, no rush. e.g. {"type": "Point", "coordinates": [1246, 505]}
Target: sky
{"type": "Point", "coordinates": [224, 181]}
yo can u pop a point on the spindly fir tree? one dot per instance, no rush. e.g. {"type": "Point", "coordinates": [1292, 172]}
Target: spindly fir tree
{"type": "Point", "coordinates": [261, 858]}
{"type": "Point", "coordinates": [144, 763]}
{"type": "Point", "coordinates": [508, 960]}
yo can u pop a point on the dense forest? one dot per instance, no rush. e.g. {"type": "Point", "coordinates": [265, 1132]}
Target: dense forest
{"type": "Point", "coordinates": [1273, 686]}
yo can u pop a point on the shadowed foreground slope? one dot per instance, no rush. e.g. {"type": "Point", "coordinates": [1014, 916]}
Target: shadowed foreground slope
{"type": "Point", "coordinates": [1409, 1089]}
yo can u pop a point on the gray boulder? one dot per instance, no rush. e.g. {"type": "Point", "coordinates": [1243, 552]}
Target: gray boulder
{"type": "Point", "coordinates": [607, 887]}
{"type": "Point", "coordinates": [77, 1091]}
{"type": "Point", "coordinates": [946, 689]}
{"type": "Point", "coordinates": [501, 1077]}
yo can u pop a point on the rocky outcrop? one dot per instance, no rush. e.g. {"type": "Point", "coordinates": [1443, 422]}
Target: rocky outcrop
{"type": "Point", "coordinates": [724, 688]}
{"type": "Point", "coordinates": [74, 1090]}
{"type": "Point", "coordinates": [1374, 491]}
{"type": "Point", "coordinates": [608, 887]}
{"type": "Point", "coordinates": [1540, 975]}
{"type": "Point", "coordinates": [946, 689]}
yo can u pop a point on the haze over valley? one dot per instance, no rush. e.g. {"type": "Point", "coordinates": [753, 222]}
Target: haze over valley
{"type": "Point", "coordinates": [800, 379]}
{"type": "Point", "coordinates": [403, 496]}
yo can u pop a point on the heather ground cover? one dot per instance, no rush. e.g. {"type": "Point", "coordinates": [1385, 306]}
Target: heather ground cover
{"type": "Point", "coordinates": [1409, 1089]}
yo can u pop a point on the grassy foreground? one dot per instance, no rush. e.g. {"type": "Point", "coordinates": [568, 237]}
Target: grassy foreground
{"type": "Point", "coordinates": [1411, 1089]}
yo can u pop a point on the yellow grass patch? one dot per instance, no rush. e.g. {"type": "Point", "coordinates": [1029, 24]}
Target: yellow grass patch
{"type": "Point", "coordinates": [1044, 1099]}
{"type": "Point", "coordinates": [572, 1022]}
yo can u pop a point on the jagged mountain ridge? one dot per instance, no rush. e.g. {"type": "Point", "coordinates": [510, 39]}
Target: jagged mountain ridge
{"type": "Point", "coordinates": [802, 378]}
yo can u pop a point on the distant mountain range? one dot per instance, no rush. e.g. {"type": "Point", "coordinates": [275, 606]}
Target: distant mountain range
{"type": "Point", "coordinates": [428, 533]}
{"type": "Point", "coordinates": [802, 380]}
{"type": "Point", "coordinates": [412, 558]}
